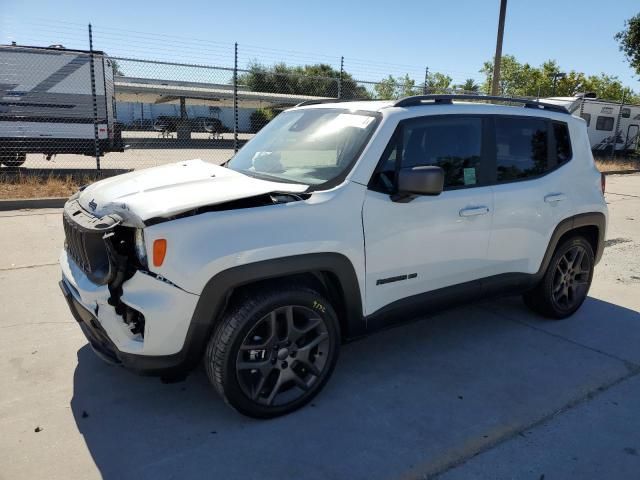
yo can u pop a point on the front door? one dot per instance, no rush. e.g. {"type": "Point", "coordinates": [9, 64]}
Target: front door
{"type": "Point", "coordinates": [429, 242]}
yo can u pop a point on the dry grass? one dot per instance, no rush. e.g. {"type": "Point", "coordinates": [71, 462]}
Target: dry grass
{"type": "Point", "coordinates": [607, 165]}
{"type": "Point", "coordinates": [32, 186]}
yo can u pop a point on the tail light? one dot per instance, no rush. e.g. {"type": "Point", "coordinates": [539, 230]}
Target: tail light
{"type": "Point", "coordinates": [603, 182]}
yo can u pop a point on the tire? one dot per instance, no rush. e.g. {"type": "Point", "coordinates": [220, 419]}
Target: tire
{"type": "Point", "coordinates": [565, 284]}
{"type": "Point", "coordinates": [13, 160]}
{"type": "Point", "coordinates": [257, 332]}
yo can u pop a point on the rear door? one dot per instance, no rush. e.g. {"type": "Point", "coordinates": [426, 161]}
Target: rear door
{"type": "Point", "coordinates": [429, 242]}
{"type": "Point", "coordinates": [531, 191]}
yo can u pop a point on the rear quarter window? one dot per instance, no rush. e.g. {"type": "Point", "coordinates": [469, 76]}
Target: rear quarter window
{"type": "Point", "coordinates": [562, 141]}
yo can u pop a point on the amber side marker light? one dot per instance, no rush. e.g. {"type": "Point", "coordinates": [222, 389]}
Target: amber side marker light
{"type": "Point", "coordinates": [159, 251]}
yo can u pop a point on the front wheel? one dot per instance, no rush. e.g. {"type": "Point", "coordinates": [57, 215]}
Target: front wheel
{"type": "Point", "coordinates": [566, 282]}
{"type": "Point", "coordinates": [274, 350]}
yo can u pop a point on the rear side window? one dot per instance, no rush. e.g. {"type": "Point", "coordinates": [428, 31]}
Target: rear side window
{"type": "Point", "coordinates": [587, 118]}
{"type": "Point", "coordinates": [604, 123]}
{"type": "Point", "coordinates": [563, 142]}
{"type": "Point", "coordinates": [626, 112]}
{"type": "Point", "coordinates": [521, 147]}
{"type": "Point", "coordinates": [452, 143]}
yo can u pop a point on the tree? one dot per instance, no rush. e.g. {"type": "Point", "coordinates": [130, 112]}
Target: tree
{"type": "Point", "coordinates": [319, 80]}
{"type": "Point", "coordinates": [519, 79]}
{"type": "Point", "coordinates": [117, 70]}
{"type": "Point", "coordinates": [629, 40]}
{"type": "Point", "coordinates": [439, 83]}
{"type": "Point", "coordinates": [386, 89]}
{"type": "Point", "coordinates": [469, 86]}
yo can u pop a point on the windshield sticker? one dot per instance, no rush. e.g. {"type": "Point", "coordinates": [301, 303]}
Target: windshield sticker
{"type": "Point", "coordinates": [351, 120]}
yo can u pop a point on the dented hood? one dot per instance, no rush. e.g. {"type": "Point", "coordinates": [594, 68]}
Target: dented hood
{"type": "Point", "coordinates": [173, 189]}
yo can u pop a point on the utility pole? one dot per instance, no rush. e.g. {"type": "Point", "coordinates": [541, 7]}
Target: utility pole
{"type": "Point", "coordinates": [497, 59]}
{"type": "Point", "coordinates": [556, 76]}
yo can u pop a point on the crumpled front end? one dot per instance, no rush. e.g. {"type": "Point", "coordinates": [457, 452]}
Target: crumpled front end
{"type": "Point", "coordinates": [126, 312]}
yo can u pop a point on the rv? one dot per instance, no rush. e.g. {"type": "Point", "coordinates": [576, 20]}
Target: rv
{"type": "Point", "coordinates": [47, 103]}
{"type": "Point", "coordinates": [608, 123]}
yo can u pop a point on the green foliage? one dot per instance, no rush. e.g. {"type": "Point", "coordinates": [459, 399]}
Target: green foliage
{"type": "Point", "coordinates": [469, 86]}
{"type": "Point", "coordinates": [117, 70]}
{"type": "Point", "coordinates": [391, 88]}
{"type": "Point", "coordinates": [629, 40]}
{"type": "Point", "coordinates": [520, 79]}
{"type": "Point", "coordinates": [260, 117]}
{"type": "Point", "coordinates": [438, 83]}
{"type": "Point", "coordinates": [398, 87]}
{"type": "Point", "coordinates": [319, 80]}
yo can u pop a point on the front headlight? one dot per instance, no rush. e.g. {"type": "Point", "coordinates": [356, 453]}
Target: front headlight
{"type": "Point", "coordinates": [141, 250]}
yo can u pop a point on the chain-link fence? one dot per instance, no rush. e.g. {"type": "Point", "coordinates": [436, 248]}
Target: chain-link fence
{"type": "Point", "coordinates": [75, 109]}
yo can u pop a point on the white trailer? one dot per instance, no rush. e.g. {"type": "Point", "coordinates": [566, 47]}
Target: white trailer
{"type": "Point", "coordinates": [47, 103]}
{"type": "Point", "coordinates": [608, 123]}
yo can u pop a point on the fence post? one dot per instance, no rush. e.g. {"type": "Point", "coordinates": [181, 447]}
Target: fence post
{"type": "Point", "coordinates": [425, 89]}
{"type": "Point", "coordinates": [235, 98]}
{"type": "Point", "coordinates": [96, 142]}
{"type": "Point", "coordinates": [615, 132]}
{"type": "Point", "coordinates": [340, 78]}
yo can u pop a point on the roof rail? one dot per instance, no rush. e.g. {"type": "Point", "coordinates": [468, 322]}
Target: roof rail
{"type": "Point", "coordinates": [448, 98]}
{"type": "Point", "coordinates": [322, 100]}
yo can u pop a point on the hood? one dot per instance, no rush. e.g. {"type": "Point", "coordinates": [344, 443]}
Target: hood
{"type": "Point", "coordinates": [172, 189]}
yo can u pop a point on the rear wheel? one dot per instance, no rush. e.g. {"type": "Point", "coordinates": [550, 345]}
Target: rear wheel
{"type": "Point", "coordinates": [274, 351]}
{"type": "Point", "coordinates": [13, 159]}
{"type": "Point", "coordinates": [566, 282]}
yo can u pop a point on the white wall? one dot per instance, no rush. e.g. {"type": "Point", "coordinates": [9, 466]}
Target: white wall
{"type": "Point", "coordinates": [130, 111]}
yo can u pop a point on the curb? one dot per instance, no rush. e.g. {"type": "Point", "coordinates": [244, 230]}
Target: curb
{"type": "Point", "coordinates": [31, 203]}
{"type": "Point", "coordinates": [622, 172]}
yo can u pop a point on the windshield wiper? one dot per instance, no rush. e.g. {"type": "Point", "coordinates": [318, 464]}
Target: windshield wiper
{"type": "Point", "coordinates": [271, 178]}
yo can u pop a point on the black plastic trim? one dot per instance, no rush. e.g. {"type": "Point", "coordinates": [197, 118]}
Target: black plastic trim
{"type": "Point", "coordinates": [449, 98]}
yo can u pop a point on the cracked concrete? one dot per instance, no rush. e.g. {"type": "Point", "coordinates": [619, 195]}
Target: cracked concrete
{"type": "Point", "coordinates": [481, 391]}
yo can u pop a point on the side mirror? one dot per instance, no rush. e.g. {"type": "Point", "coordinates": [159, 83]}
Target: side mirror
{"type": "Point", "coordinates": [421, 180]}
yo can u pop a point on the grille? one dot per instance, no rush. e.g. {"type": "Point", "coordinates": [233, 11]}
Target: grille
{"type": "Point", "coordinates": [86, 242]}
{"type": "Point", "coordinates": [76, 244]}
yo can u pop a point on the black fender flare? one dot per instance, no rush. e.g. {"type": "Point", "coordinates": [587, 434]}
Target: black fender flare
{"type": "Point", "coordinates": [216, 293]}
{"type": "Point", "coordinates": [592, 219]}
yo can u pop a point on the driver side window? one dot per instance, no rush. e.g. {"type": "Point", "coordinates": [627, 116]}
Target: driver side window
{"type": "Point", "coordinates": [453, 143]}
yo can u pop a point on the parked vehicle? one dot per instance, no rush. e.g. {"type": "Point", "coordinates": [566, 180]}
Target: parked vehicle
{"type": "Point", "coordinates": [609, 123]}
{"type": "Point", "coordinates": [46, 103]}
{"type": "Point", "coordinates": [335, 220]}
{"type": "Point", "coordinates": [196, 124]}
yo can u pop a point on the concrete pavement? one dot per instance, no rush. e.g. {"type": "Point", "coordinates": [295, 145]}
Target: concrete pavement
{"type": "Point", "coordinates": [482, 391]}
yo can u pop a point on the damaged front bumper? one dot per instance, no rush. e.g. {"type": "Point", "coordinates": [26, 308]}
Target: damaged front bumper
{"type": "Point", "coordinates": [167, 310]}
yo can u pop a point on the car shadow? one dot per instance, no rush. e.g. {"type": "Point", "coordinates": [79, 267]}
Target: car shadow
{"type": "Point", "coordinates": [409, 399]}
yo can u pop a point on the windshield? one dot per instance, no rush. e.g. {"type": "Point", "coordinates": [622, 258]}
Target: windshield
{"type": "Point", "coordinates": [310, 146]}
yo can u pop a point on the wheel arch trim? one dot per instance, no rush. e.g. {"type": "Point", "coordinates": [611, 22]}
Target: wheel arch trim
{"type": "Point", "coordinates": [591, 219]}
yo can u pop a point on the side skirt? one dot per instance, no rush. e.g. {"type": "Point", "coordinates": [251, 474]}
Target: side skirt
{"type": "Point", "coordinates": [418, 306]}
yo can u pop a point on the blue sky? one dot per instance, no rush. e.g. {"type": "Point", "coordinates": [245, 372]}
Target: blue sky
{"type": "Point", "coordinates": [375, 37]}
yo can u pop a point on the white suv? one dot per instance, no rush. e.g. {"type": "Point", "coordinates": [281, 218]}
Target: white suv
{"type": "Point", "coordinates": [336, 220]}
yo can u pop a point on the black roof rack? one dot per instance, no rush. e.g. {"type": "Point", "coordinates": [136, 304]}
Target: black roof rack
{"type": "Point", "coordinates": [448, 98]}
{"type": "Point", "coordinates": [324, 100]}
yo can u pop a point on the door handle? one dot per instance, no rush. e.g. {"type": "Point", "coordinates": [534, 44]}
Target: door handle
{"type": "Point", "coordinates": [473, 211]}
{"type": "Point", "coordinates": [555, 197]}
